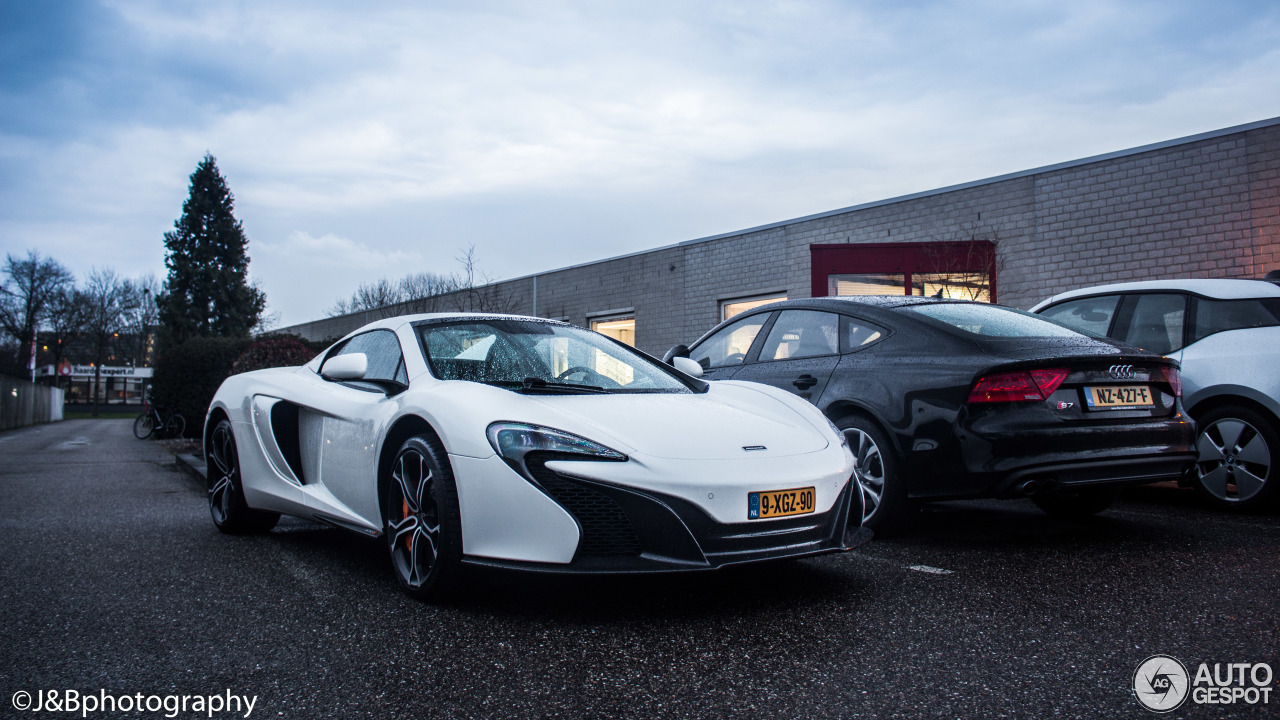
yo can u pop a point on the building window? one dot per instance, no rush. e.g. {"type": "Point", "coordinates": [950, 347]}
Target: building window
{"type": "Point", "coordinates": [955, 270]}
{"type": "Point", "coordinates": [866, 284]}
{"type": "Point", "coordinates": [737, 306]}
{"type": "Point", "coordinates": [622, 329]}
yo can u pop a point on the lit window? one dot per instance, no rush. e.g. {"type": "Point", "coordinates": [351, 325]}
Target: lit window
{"type": "Point", "coordinates": [622, 329]}
{"type": "Point", "coordinates": [867, 284]}
{"type": "Point", "coordinates": [730, 308]}
{"type": "Point", "coordinates": [953, 286]}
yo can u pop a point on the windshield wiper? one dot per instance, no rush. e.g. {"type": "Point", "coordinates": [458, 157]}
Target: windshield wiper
{"type": "Point", "coordinates": [537, 383]}
{"type": "Point", "coordinates": [534, 384]}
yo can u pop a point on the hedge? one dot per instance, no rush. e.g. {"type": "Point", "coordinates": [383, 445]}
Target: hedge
{"type": "Point", "coordinates": [187, 375]}
{"type": "Point", "coordinates": [275, 351]}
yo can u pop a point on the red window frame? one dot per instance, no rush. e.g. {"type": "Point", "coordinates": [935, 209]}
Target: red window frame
{"type": "Point", "coordinates": [905, 258]}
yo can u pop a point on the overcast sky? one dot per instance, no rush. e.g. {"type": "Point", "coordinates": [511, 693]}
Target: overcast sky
{"type": "Point", "coordinates": [374, 139]}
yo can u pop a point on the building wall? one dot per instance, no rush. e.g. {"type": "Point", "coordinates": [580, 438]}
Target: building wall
{"type": "Point", "coordinates": [1207, 206]}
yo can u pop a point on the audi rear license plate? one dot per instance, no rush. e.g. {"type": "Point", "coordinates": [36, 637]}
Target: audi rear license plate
{"type": "Point", "coordinates": [1118, 397]}
{"type": "Point", "coordinates": [779, 503]}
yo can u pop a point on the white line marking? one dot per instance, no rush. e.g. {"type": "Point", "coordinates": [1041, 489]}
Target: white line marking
{"type": "Point", "coordinates": [928, 569]}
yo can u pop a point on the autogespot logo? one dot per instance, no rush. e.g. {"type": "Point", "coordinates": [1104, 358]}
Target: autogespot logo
{"type": "Point", "coordinates": [1161, 683]}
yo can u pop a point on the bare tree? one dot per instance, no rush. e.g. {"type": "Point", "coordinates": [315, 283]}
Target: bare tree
{"type": "Point", "coordinates": [24, 298]}
{"type": "Point", "coordinates": [963, 265]}
{"type": "Point", "coordinates": [369, 296]}
{"type": "Point", "coordinates": [469, 290]}
{"type": "Point", "coordinates": [425, 292]}
{"type": "Point", "coordinates": [68, 314]}
{"type": "Point", "coordinates": [111, 302]}
{"type": "Point", "coordinates": [479, 292]}
{"type": "Point", "coordinates": [143, 321]}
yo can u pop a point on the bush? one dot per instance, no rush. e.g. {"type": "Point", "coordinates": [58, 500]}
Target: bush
{"type": "Point", "coordinates": [187, 376]}
{"type": "Point", "coordinates": [275, 351]}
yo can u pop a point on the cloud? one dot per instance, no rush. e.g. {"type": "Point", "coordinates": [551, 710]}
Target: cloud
{"type": "Point", "coordinates": [302, 249]}
{"type": "Point", "coordinates": [381, 139]}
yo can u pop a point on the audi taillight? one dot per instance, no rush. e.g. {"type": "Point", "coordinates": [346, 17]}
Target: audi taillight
{"type": "Point", "coordinates": [1049, 380]}
{"type": "Point", "coordinates": [1174, 379]}
{"type": "Point", "coordinates": [1021, 386]}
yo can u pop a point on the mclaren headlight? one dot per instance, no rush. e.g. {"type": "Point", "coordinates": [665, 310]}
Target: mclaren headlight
{"type": "Point", "coordinates": [512, 441]}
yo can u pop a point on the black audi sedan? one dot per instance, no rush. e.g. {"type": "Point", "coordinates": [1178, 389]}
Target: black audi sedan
{"type": "Point", "coordinates": [943, 399]}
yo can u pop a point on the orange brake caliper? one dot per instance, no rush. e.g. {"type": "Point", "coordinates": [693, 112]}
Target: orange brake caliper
{"type": "Point", "coordinates": [408, 538]}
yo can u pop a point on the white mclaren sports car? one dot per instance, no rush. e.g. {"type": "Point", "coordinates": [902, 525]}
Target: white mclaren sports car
{"type": "Point", "coordinates": [523, 443]}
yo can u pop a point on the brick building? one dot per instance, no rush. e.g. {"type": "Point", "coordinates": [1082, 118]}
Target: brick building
{"type": "Point", "coordinates": [1201, 206]}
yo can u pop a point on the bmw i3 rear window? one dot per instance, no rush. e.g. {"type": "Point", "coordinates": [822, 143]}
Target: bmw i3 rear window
{"type": "Point", "coordinates": [1215, 316]}
{"type": "Point", "coordinates": [992, 320]}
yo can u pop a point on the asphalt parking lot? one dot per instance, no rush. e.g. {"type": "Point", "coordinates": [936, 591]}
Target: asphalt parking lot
{"type": "Point", "coordinates": [115, 581]}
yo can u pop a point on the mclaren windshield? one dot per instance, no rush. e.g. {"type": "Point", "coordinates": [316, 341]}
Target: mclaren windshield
{"type": "Point", "coordinates": [539, 357]}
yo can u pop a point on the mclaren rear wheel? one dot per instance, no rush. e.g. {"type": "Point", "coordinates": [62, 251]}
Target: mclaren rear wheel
{"type": "Point", "coordinates": [226, 490]}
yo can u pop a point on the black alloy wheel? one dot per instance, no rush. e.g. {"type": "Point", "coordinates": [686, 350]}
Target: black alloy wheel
{"type": "Point", "coordinates": [423, 526]}
{"type": "Point", "coordinates": [226, 494]}
{"type": "Point", "coordinates": [1239, 453]}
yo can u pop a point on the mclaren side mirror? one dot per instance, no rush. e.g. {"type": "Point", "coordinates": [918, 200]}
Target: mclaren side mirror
{"type": "Point", "coordinates": [687, 366]}
{"type": "Point", "coordinates": [675, 352]}
{"type": "Point", "coordinates": [351, 366]}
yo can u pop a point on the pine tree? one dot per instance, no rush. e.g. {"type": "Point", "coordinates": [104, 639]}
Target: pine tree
{"type": "Point", "coordinates": [207, 291]}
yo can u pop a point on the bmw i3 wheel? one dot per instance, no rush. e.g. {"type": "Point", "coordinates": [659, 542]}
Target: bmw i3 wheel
{"type": "Point", "coordinates": [1239, 451]}
{"type": "Point", "coordinates": [226, 493]}
{"type": "Point", "coordinates": [422, 525]}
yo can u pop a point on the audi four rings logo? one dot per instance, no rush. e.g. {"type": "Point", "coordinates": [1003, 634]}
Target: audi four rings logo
{"type": "Point", "coordinates": [1121, 372]}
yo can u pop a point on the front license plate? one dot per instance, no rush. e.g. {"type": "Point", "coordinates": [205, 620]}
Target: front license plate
{"type": "Point", "coordinates": [779, 503]}
{"type": "Point", "coordinates": [1118, 396]}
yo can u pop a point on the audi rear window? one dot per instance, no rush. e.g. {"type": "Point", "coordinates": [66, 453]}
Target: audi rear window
{"type": "Point", "coordinates": [992, 320]}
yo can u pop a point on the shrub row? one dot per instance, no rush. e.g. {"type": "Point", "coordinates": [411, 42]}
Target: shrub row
{"type": "Point", "coordinates": [188, 375]}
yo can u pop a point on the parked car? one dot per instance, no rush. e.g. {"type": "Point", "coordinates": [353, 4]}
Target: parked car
{"type": "Point", "coordinates": [524, 443]}
{"type": "Point", "coordinates": [943, 399]}
{"type": "Point", "coordinates": [1226, 336]}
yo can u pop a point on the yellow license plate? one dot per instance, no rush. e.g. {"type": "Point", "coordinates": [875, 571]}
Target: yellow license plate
{"type": "Point", "coordinates": [1118, 396]}
{"type": "Point", "coordinates": [779, 503]}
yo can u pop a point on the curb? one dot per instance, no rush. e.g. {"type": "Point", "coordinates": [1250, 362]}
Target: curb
{"type": "Point", "coordinates": [193, 465]}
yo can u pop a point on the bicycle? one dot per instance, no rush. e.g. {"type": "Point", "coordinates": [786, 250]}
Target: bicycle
{"type": "Point", "coordinates": [166, 421]}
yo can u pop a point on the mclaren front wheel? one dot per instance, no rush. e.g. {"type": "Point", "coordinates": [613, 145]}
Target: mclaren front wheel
{"type": "Point", "coordinates": [422, 523]}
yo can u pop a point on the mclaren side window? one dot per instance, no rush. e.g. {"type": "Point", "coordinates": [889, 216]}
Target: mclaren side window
{"type": "Point", "coordinates": [382, 349]}
{"type": "Point", "coordinates": [729, 345]}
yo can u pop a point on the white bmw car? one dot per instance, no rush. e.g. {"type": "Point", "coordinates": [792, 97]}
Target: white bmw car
{"type": "Point", "coordinates": [524, 443]}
